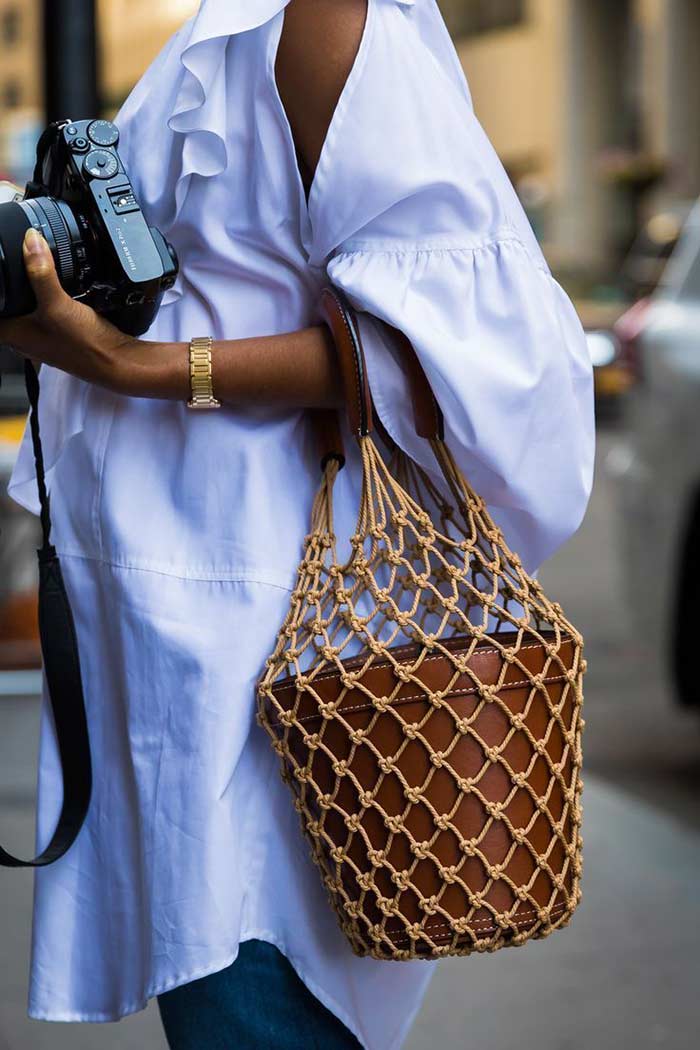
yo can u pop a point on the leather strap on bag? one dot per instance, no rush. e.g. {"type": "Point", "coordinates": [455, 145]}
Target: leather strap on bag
{"type": "Point", "coordinates": [336, 313]}
{"type": "Point", "coordinates": [427, 414]}
{"type": "Point", "coordinates": [59, 647]}
{"type": "Point", "coordinates": [341, 319]}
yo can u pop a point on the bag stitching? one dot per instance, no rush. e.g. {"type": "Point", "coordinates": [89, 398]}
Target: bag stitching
{"type": "Point", "coordinates": [517, 921]}
{"type": "Point", "coordinates": [419, 696]}
{"type": "Point", "coordinates": [388, 664]}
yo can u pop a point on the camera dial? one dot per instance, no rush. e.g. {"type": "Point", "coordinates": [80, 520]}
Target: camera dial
{"type": "Point", "coordinates": [103, 133]}
{"type": "Point", "coordinates": [101, 164]}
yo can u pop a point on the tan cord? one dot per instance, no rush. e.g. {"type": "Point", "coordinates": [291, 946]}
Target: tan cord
{"type": "Point", "coordinates": [444, 820]}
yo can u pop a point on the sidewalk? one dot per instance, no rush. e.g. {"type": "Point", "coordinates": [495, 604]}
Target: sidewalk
{"type": "Point", "coordinates": [624, 976]}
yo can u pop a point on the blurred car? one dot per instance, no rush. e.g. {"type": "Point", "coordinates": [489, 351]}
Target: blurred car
{"type": "Point", "coordinates": [657, 466]}
{"type": "Point", "coordinates": [610, 376]}
{"type": "Point", "coordinates": [19, 534]}
{"type": "Point", "coordinates": [611, 326]}
{"type": "Point", "coordinates": [655, 242]}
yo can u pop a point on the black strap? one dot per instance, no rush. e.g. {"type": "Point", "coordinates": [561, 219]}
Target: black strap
{"type": "Point", "coordinates": [59, 647]}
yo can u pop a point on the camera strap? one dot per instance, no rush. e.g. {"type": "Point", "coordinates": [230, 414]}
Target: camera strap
{"type": "Point", "coordinates": [59, 647]}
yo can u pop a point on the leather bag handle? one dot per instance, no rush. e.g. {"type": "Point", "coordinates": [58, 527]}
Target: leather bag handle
{"type": "Point", "coordinates": [428, 419]}
{"type": "Point", "coordinates": [340, 317]}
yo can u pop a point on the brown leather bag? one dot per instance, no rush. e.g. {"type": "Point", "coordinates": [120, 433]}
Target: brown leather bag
{"type": "Point", "coordinates": [425, 700]}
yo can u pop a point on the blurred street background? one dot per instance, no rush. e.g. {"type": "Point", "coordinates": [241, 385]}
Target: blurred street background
{"type": "Point", "coordinates": [594, 108]}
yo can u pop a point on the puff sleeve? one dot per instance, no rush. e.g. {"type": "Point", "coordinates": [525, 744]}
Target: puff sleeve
{"type": "Point", "coordinates": [419, 225]}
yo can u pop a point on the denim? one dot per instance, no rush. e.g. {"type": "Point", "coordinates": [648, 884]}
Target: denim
{"type": "Point", "coordinates": [257, 1003]}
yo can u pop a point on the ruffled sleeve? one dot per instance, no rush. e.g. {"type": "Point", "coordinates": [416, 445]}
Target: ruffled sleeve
{"type": "Point", "coordinates": [173, 125]}
{"type": "Point", "coordinates": [505, 356]}
{"type": "Point", "coordinates": [415, 219]}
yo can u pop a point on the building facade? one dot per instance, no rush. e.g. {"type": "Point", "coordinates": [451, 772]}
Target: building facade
{"type": "Point", "coordinates": [131, 34]}
{"type": "Point", "coordinates": [591, 104]}
{"type": "Point", "coordinates": [20, 86]}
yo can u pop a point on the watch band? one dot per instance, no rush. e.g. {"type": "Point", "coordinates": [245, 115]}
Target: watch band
{"type": "Point", "coordinates": [200, 374]}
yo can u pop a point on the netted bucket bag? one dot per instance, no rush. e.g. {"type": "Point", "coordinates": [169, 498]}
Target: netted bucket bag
{"type": "Point", "coordinates": [424, 697]}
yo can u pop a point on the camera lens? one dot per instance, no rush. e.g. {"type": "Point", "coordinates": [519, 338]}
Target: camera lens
{"type": "Point", "coordinates": [62, 228]}
{"type": "Point", "coordinates": [15, 290]}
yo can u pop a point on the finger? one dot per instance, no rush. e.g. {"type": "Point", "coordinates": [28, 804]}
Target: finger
{"type": "Point", "coordinates": [41, 271]}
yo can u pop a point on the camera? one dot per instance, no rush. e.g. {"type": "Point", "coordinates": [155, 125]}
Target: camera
{"type": "Point", "coordinates": [82, 201]}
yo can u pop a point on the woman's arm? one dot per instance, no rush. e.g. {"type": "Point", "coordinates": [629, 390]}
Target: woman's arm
{"type": "Point", "coordinates": [318, 45]}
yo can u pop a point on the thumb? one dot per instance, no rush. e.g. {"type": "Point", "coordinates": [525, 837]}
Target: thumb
{"type": "Point", "coordinates": [41, 270]}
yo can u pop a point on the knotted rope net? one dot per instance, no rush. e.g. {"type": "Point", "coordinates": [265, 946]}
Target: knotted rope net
{"type": "Point", "coordinates": [424, 697]}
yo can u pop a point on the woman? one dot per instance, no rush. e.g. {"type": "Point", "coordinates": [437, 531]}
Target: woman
{"type": "Point", "coordinates": [280, 147]}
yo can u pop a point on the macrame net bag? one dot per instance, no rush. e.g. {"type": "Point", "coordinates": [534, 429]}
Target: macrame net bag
{"type": "Point", "coordinates": [424, 697]}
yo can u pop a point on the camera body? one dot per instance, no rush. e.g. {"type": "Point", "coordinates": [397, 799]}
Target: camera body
{"type": "Point", "coordinates": [82, 201]}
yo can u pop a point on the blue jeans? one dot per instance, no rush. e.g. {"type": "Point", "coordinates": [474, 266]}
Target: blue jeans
{"type": "Point", "coordinates": [256, 1003]}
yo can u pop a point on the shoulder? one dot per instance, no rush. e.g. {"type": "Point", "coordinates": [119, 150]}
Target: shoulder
{"type": "Point", "coordinates": [405, 151]}
{"type": "Point", "coordinates": [317, 49]}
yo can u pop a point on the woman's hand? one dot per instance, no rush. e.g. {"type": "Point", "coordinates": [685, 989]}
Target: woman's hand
{"type": "Point", "coordinates": [71, 336]}
{"type": "Point", "coordinates": [293, 370]}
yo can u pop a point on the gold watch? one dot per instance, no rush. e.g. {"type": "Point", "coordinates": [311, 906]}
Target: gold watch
{"type": "Point", "coordinates": [200, 374]}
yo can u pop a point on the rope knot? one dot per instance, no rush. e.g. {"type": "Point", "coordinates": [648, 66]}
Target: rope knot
{"type": "Point", "coordinates": [420, 850]}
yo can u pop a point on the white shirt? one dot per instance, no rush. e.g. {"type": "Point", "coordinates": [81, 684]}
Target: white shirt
{"type": "Point", "coordinates": [180, 532]}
